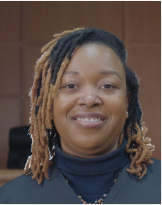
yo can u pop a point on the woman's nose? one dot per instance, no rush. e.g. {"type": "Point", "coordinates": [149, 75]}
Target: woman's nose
{"type": "Point", "coordinates": [89, 99]}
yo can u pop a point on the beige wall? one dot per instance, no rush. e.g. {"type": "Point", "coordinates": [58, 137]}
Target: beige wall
{"type": "Point", "coordinates": [27, 26]}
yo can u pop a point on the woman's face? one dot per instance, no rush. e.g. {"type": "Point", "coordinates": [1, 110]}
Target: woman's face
{"type": "Point", "coordinates": [90, 107]}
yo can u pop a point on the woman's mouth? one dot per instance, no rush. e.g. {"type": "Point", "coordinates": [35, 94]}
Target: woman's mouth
{"type": "Point", "coordinates": [89, 122]}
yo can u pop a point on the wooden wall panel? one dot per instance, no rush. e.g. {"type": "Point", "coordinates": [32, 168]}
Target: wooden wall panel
{"type": "Point", "coordinates": [30, 55]}
{"type": "Point", "coordinates": [145, 60]}
{"type": "Point", "coordinates": [9, 70]}
{"type": "Point", "coordinates": [142, 38]}
{"type": "Point", "coordinates": [9, 117]}
{"type": "Point", "coordinates": [9, 21]}
{"type": "Point", "coordinates": [43, 19]}
{"type": "Point", "coordinates": [142, 21]}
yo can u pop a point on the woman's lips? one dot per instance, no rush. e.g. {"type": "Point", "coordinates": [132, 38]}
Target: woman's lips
{"type": "Point", "coordinates": [89, 124]}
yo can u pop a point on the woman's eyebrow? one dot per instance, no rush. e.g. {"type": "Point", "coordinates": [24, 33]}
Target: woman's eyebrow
{"type": "Point", "coordinates": [110, 72]}
{"type": "Point", "coordinates": [72, 72]}
{"type": "Point", "coordinates": [102, 73]}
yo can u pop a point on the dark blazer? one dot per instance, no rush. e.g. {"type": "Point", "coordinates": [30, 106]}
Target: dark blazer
{"type": "Point", "coordinates": [128, 189]}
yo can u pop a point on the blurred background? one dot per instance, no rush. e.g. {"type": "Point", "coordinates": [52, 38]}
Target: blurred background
{"type": "Point", "coordinates": [27, 26]}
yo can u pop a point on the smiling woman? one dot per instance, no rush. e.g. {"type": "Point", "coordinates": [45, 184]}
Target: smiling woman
{"type": "Point", "coordinates": [86, 127]}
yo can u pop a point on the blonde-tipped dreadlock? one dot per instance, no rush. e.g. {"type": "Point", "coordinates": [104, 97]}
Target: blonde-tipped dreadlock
{"type": "Point", "coordinates": [141, 152]}
{"type": "Point", "coordinates": [49, 70]}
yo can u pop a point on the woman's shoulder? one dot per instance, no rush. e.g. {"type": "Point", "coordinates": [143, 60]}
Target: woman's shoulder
{"type": "Point", "coordinates": [154, 170]}
{"type": "Point", "coordinates": [18, 186]}
{"type": "Point", "coordinates": [129, 189]}
{"type": "Point", "coordinates": [26, 180]}
{"type": "Point", "coordinates": [25, 190]}
{"type": "Point", "coordinates": [156, 164]}
{"type": "Point", "coordinates": [153, 175]}
{"type": "Point", "coordinates": [156, 161]}
{"type": "Point", "coordinates": [22, 189]}
{"type": "Point", "coordinates": [17, 182]}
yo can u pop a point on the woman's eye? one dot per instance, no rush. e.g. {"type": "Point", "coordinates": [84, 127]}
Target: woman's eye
{"type": "Point", "coordinates": [70, 86]}
{"type": "Point", "coordinates": [107, 86]}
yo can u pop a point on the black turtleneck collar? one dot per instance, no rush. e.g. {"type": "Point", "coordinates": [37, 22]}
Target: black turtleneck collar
{"type": "Point", "coordinates": [91, 166]}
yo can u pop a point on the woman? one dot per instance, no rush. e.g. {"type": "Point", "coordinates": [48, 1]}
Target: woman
{"type": "Point", "coordinates": [89, 143]}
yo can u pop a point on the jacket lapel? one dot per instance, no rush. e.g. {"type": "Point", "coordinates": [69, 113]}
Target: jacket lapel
{"type": "Point", "coordinates": [61, 193]}
{"type": "Point", "coordinates": [113, 193]}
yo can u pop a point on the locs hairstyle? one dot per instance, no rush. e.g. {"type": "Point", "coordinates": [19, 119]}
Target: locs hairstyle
{"type": "Point", "coordinates": [49, 70]}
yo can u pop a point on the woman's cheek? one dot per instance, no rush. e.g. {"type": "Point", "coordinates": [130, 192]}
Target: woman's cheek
{"type": "Point", "coordinates": [60, 101]}
{"type": "Point", "coordinates": [116, 102]}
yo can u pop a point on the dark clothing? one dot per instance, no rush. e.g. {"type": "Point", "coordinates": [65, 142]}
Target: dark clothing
{"type": "Point", "coordinates": [91, 177]}
{"type": "Point", "coordinates": [128, 189]}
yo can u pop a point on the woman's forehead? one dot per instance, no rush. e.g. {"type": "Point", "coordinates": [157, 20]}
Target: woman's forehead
{"type": "Point", "coordinates": [95, 58]}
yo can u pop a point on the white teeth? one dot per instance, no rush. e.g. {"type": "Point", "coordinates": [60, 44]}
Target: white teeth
{"type": "Point", "coordinates": [91, 119]}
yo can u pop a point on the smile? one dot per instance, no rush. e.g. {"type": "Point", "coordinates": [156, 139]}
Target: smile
{"type": "Point", "coordinates": [89, 122]}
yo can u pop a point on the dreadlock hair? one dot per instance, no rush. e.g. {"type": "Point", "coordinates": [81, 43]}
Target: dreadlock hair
{"type": "Point", "coordinates": [49, 70]}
